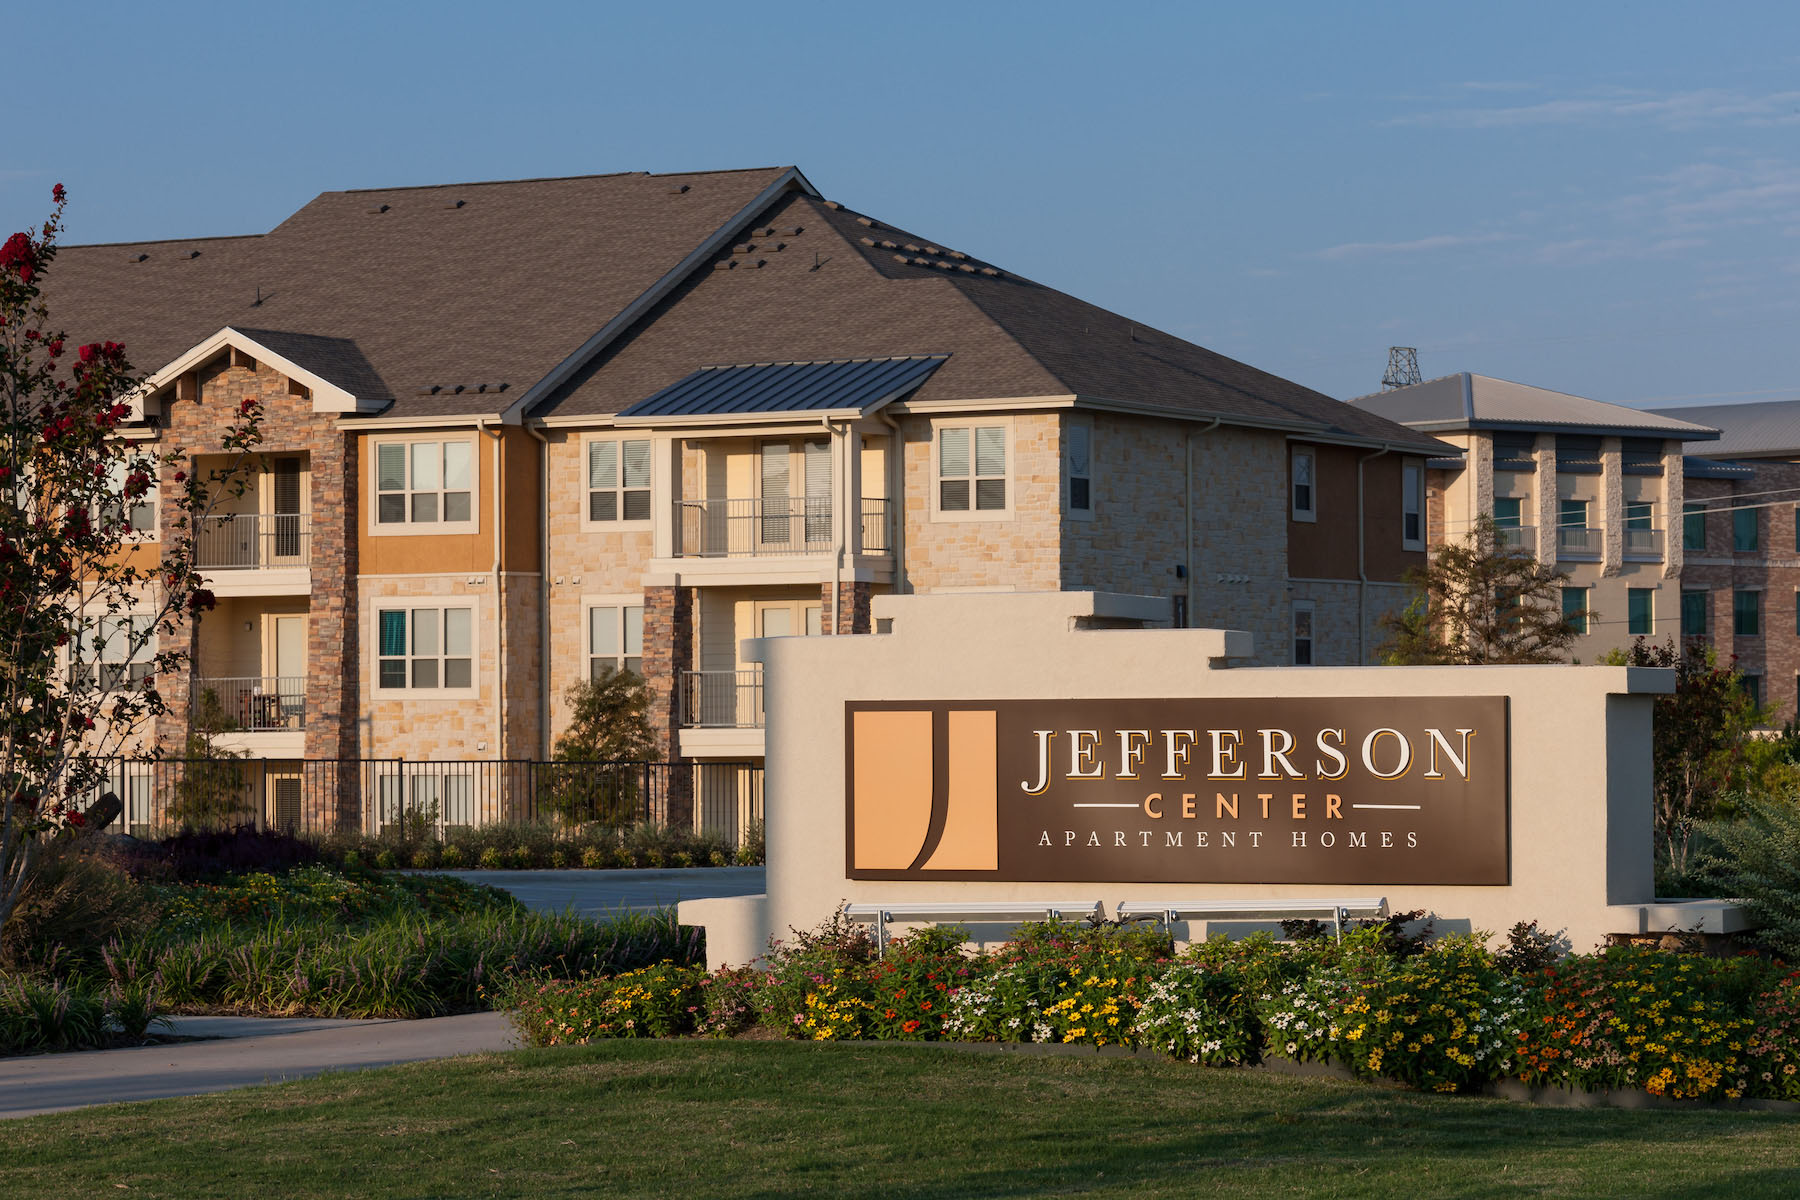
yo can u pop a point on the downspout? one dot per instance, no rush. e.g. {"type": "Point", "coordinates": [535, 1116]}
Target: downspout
{"type": "Point", "coordinates": [545, 658]}
{"type": "Point", "coordinates": [1187, 542]}
{"type": "Point", "coordinates": [896, 490]}
{"type": "Point", "coordinates": [481, 426]}
{"type": "Point", "coordinates": [842, 469]}
{"type": "Point", "coordinates": [1362, 570]}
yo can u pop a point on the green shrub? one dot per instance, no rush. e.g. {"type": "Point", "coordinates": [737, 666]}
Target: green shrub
{"type": "Point", "coordinates": [491, 859]}
{"type": "Point", "coordinates": [1757, 857]}
{"type": "Point", "coordinates": [521, 858]}
{"type": "Point", "coordinates": [453, 857]}
{"type": "Point", "coordinates": [728, 1001]}
{"type": "Point", "coordinates": [815, 987]}
{"type": "Point", "coordinates": [658, 1001]}
{"type": "Point", "coordinates": [594, 857]}
{"type": "Point", "coordinates": [75, 900]}
{"type": "Point", "coordinates": [386, 859]}
{"type": "Point", "coordinates": [39, 1015]}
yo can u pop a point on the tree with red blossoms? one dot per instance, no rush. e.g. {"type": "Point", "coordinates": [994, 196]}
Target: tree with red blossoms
{"type": "Point", "coordinates": [85, 592]}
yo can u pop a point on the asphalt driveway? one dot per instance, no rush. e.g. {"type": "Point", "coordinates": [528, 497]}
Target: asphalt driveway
{"type": "Point", "coordinates": [596, 893]}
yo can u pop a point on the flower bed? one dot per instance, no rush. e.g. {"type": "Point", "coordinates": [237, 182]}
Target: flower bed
{"type": "Point", "coordinates": [1447, 1016]}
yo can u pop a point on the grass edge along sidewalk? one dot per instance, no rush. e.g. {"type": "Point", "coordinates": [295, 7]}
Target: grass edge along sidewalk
{"type": "Point", "coordinates": [745, 1119]}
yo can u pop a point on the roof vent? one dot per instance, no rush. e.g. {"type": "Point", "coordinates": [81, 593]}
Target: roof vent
{"type": "Point", "coordinates": [868, 241]}
{"type": "Point", "coordinates": [767, 231]}
{"type": "Point", "coordinates": [989, 271]}
{"type": "Point", "coordinates": [932, 250]}
{"type": "Point", "coordinates": [921, 262]}
{"type": "Point", "coordinates": [379, 209]}
{"type": "Point", "coordinates": [762, 262]}
{"type": "Point", "coordinates": [793, 231]}
{"type": "Point", "coordinates": [781, 245]}
{"type": "Point", "coordinates": [137, 258]}
{"type": "Point", "coordinates": [743, 247]}
{"type": "Point", "coordinates": [865, 221]}
{"type": "Point", "coordinates": [724, 264]}
{"type": "Point", "coordinates": [887, 245]}
{"type": "Point", "coordinates": [456, 204]}
{"type": "Point", "coordinates": [193, 254]}
{"type": "Point", "coordinates": [958, 255]}
{"type": "Point", "coordinates": [677, 189]}
{"type": "Point", "coordinates": [965, 267]}
{"type": "Point", "coordinates": [901, 258]}
{"type": "Point", "coordinates": [833, 205]}
{"type": "Point", "coordinates": [943, 264]}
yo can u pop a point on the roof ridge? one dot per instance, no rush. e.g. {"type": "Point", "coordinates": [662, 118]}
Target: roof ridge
{"type": "Point", "coordinates": [217, 237]}
{"type": "Point", "coordinates": [428, 187]}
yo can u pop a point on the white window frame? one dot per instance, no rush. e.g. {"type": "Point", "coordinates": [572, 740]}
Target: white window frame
{"type": "Point", "coordinates": [409, 604]}
{"type": "Point", "coordinates": [410, 528]}
{"type": "Point", "coordinates": [1010, 443]}
{"type": "Point", "coordinates": [585, 493]}
{"type": "Point", "coordinates": [1311, 458]}
{"type": "Point", "coordinates": [1310, 609]}
{"type": "Point", "coordinates": [1085, 426]}
{"type": "Point", "coordinates": [152, 498]}
{"type": "Point", "coordinates": [621, 602]}
{"type": "Point", "coordinates": [78, 655]}
{"type": "Point", "coordinates": [1412, 492]}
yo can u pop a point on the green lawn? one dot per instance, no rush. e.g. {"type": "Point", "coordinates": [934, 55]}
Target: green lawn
{"type": "Point", "coordinates": [751, 1119]}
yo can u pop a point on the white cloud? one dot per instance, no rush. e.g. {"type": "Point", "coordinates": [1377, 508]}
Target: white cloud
{"type": "Point", "coordinates": [1705, 106]}
{"type": "Point", "coordinates": [1424, 245]}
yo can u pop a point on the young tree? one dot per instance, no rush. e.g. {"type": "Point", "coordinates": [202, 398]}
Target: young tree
{"type": "Point", "coordinates": [88, 610]}
{"type": "Point", "coordinates": [609, 724]}
{"type": "Point", "coordinates": [1702, 745]}
{"type": "Point", "coordinates": [1478, 602]}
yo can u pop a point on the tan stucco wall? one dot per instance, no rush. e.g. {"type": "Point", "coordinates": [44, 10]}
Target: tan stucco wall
{"type": "Point", "coordinates": [1580, 821]}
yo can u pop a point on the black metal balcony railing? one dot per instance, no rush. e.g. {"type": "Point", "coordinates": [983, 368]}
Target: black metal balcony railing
{"type": "Point", "coordinates": [1644, 543]}
{"type": "Point", "coordinates": [722, 699]}
{"type": "Point", "coordinates": [1578, 542]}
{"type": "Point", "coordinates": [760, 528]}
{"type": "Point", "coordinates": [1516, 537]}
{"type": "Point", "coordinates": [255, 705]}
{"type": "Point", "coordinates": [429, 798]}
{"type": "Point", "coordinates": [245, 541]}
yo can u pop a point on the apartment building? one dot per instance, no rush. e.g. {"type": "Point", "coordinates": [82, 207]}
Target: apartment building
{"type": "Point", "coordinates": [519, 433]}
{"type": "Point", "coordinates": [1674, 523]}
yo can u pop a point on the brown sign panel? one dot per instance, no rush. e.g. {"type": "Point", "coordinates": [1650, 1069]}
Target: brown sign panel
{"type": "Point", "coordinates": [1376, 790]}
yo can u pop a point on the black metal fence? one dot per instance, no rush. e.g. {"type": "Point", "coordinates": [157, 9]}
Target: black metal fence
{"type": "Point", "coordinates": [425, 799]}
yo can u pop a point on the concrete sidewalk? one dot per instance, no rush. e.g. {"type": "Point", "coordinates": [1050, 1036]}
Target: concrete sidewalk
{"type": "Point", "coordinates": [247, 1051]}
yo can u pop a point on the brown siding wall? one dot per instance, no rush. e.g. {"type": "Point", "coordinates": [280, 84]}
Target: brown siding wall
{"type": "Point", "coordinates": [1326, 548]}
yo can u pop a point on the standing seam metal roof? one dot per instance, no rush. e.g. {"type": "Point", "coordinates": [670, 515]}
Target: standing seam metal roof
{"type": "Point", "coordinates": [857, 383]}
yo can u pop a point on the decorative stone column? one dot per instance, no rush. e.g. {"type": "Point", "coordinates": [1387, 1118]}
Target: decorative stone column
{"type": "Point", "coordinates": [668, 651]}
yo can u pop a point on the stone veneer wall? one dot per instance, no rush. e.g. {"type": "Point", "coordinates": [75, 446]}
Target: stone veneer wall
{"type": "Point", "coordinates": [852, 615]}
{"type": "Point", "coordinates": [1019, 553]}
{"type": "Point", "coordinates": [289, 426]}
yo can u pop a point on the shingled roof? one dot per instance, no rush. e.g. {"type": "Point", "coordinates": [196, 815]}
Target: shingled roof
{"type": "Point", "coordinates": [411, 289]}
{"type": "Point", "coordinates": [815, 281]}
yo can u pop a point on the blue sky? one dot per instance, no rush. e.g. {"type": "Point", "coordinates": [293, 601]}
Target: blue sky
{"type": "Point", "coordinates": [1598, 198]}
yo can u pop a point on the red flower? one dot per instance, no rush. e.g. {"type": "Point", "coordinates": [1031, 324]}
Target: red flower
{"type": "Point", "coordinates": [57, 193]}
{"type": "Point", "coordinates": [77, 820]}
{"type": "Point", "coordinates": [201, 598]}
{"type": "Point", "coordinates": [18, 254]}
{"type": "Point", "coordinates": [54, 347]}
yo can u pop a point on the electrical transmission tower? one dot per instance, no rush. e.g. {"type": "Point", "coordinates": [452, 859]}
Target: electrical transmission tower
{"type": "Point", "coordinates": [1403, 367]}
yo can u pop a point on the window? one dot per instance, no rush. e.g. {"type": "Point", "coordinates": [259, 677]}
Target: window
{"type": "Point", "coordinates": [425, 649]}
{"type": "Point", "coordinates": [1572, 514]}
{"type": "Point", "coordinates": [1743, 530]}
{"type": "Point", "coordinates": [1303, 468]}
{"type": "Point", "coordinates": [1412, 506]}
{"type": "Point", "coordinates": [1574, 608]}
{"type": "Point", "coordinates": [788, 519]}
{"type": "Point", "coordinates": [113, 653]}
{"type": "Point", "coordinates": [972, 468]}
{"type": "Point", "coordinates": [618, 480]}
{"type": "Point", "coordinates": [1753, 688]}
{"type": "Point", "coordinates": [1637, 515]}
{"type": "Point", "coordinates": [1303, 633]}
{"type": "Point", "coordinates": [1693, 614]}
{"type": "Point", "coordinates": [615, 639]}
{"type": "Point", "coordinates": [1078, 452]}
{"type": "Point", "coordinates": [424, 483]}
{"type": "Point", "coordinates": [1506, 512]}
{"type": "Point", "coordinates": [1640, 610]}
{"type": "Point", "coordinates": [139, 513]}
{"type": "Point", "coordinates": [1746, 614]}
{"type": "Point", "coordinates": [1693, 526]}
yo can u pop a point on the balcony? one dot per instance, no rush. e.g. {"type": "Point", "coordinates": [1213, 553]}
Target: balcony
{"type": "Point", "coordinates": [722, 699]}
{"type": "Point", "coordinates": [1644, 545]}
{"type": "Point", "coordinates": [1516, 537]}
{"type": "Point", "coordinates": [770, 528]}
{"type": "Point", "coordinates": [1574, 542]}
{"type": "Point", "coordinates": [251, 705]}
{"type": "Point", "coordinates": [248, 541]}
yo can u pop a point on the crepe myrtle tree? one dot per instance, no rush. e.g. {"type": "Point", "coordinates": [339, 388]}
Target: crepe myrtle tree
{"type": "Point", "coordinates": [1480, 601]}
{"type": "Point", "coordinates": [82, 602]}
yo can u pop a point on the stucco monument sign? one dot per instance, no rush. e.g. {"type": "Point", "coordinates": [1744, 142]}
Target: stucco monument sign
{"type": "Point", "coordinates": [999, 750]}
{"type": "Point", "coordinates": [1357, 790]}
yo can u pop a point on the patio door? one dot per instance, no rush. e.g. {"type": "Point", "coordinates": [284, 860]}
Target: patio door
{"type": "Point", "coordinates": [289, 644]}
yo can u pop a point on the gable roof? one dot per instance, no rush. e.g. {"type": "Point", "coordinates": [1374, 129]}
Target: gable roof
{"type": "Point", "coordinates": [1468, 401]}
{"type": "Point", "coordinates": [815, 281]}
{"type": "Point", "coordinates": [407, 289]}
{"type": "Point", "coordinates": [1765, 429]}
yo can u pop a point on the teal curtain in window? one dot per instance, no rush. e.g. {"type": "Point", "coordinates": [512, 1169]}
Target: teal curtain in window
{"type": "Point", "coordinates": [393, 633]}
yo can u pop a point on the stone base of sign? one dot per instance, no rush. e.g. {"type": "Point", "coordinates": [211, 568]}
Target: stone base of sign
{"type": "Point", "coordinates": [1571, 848]}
